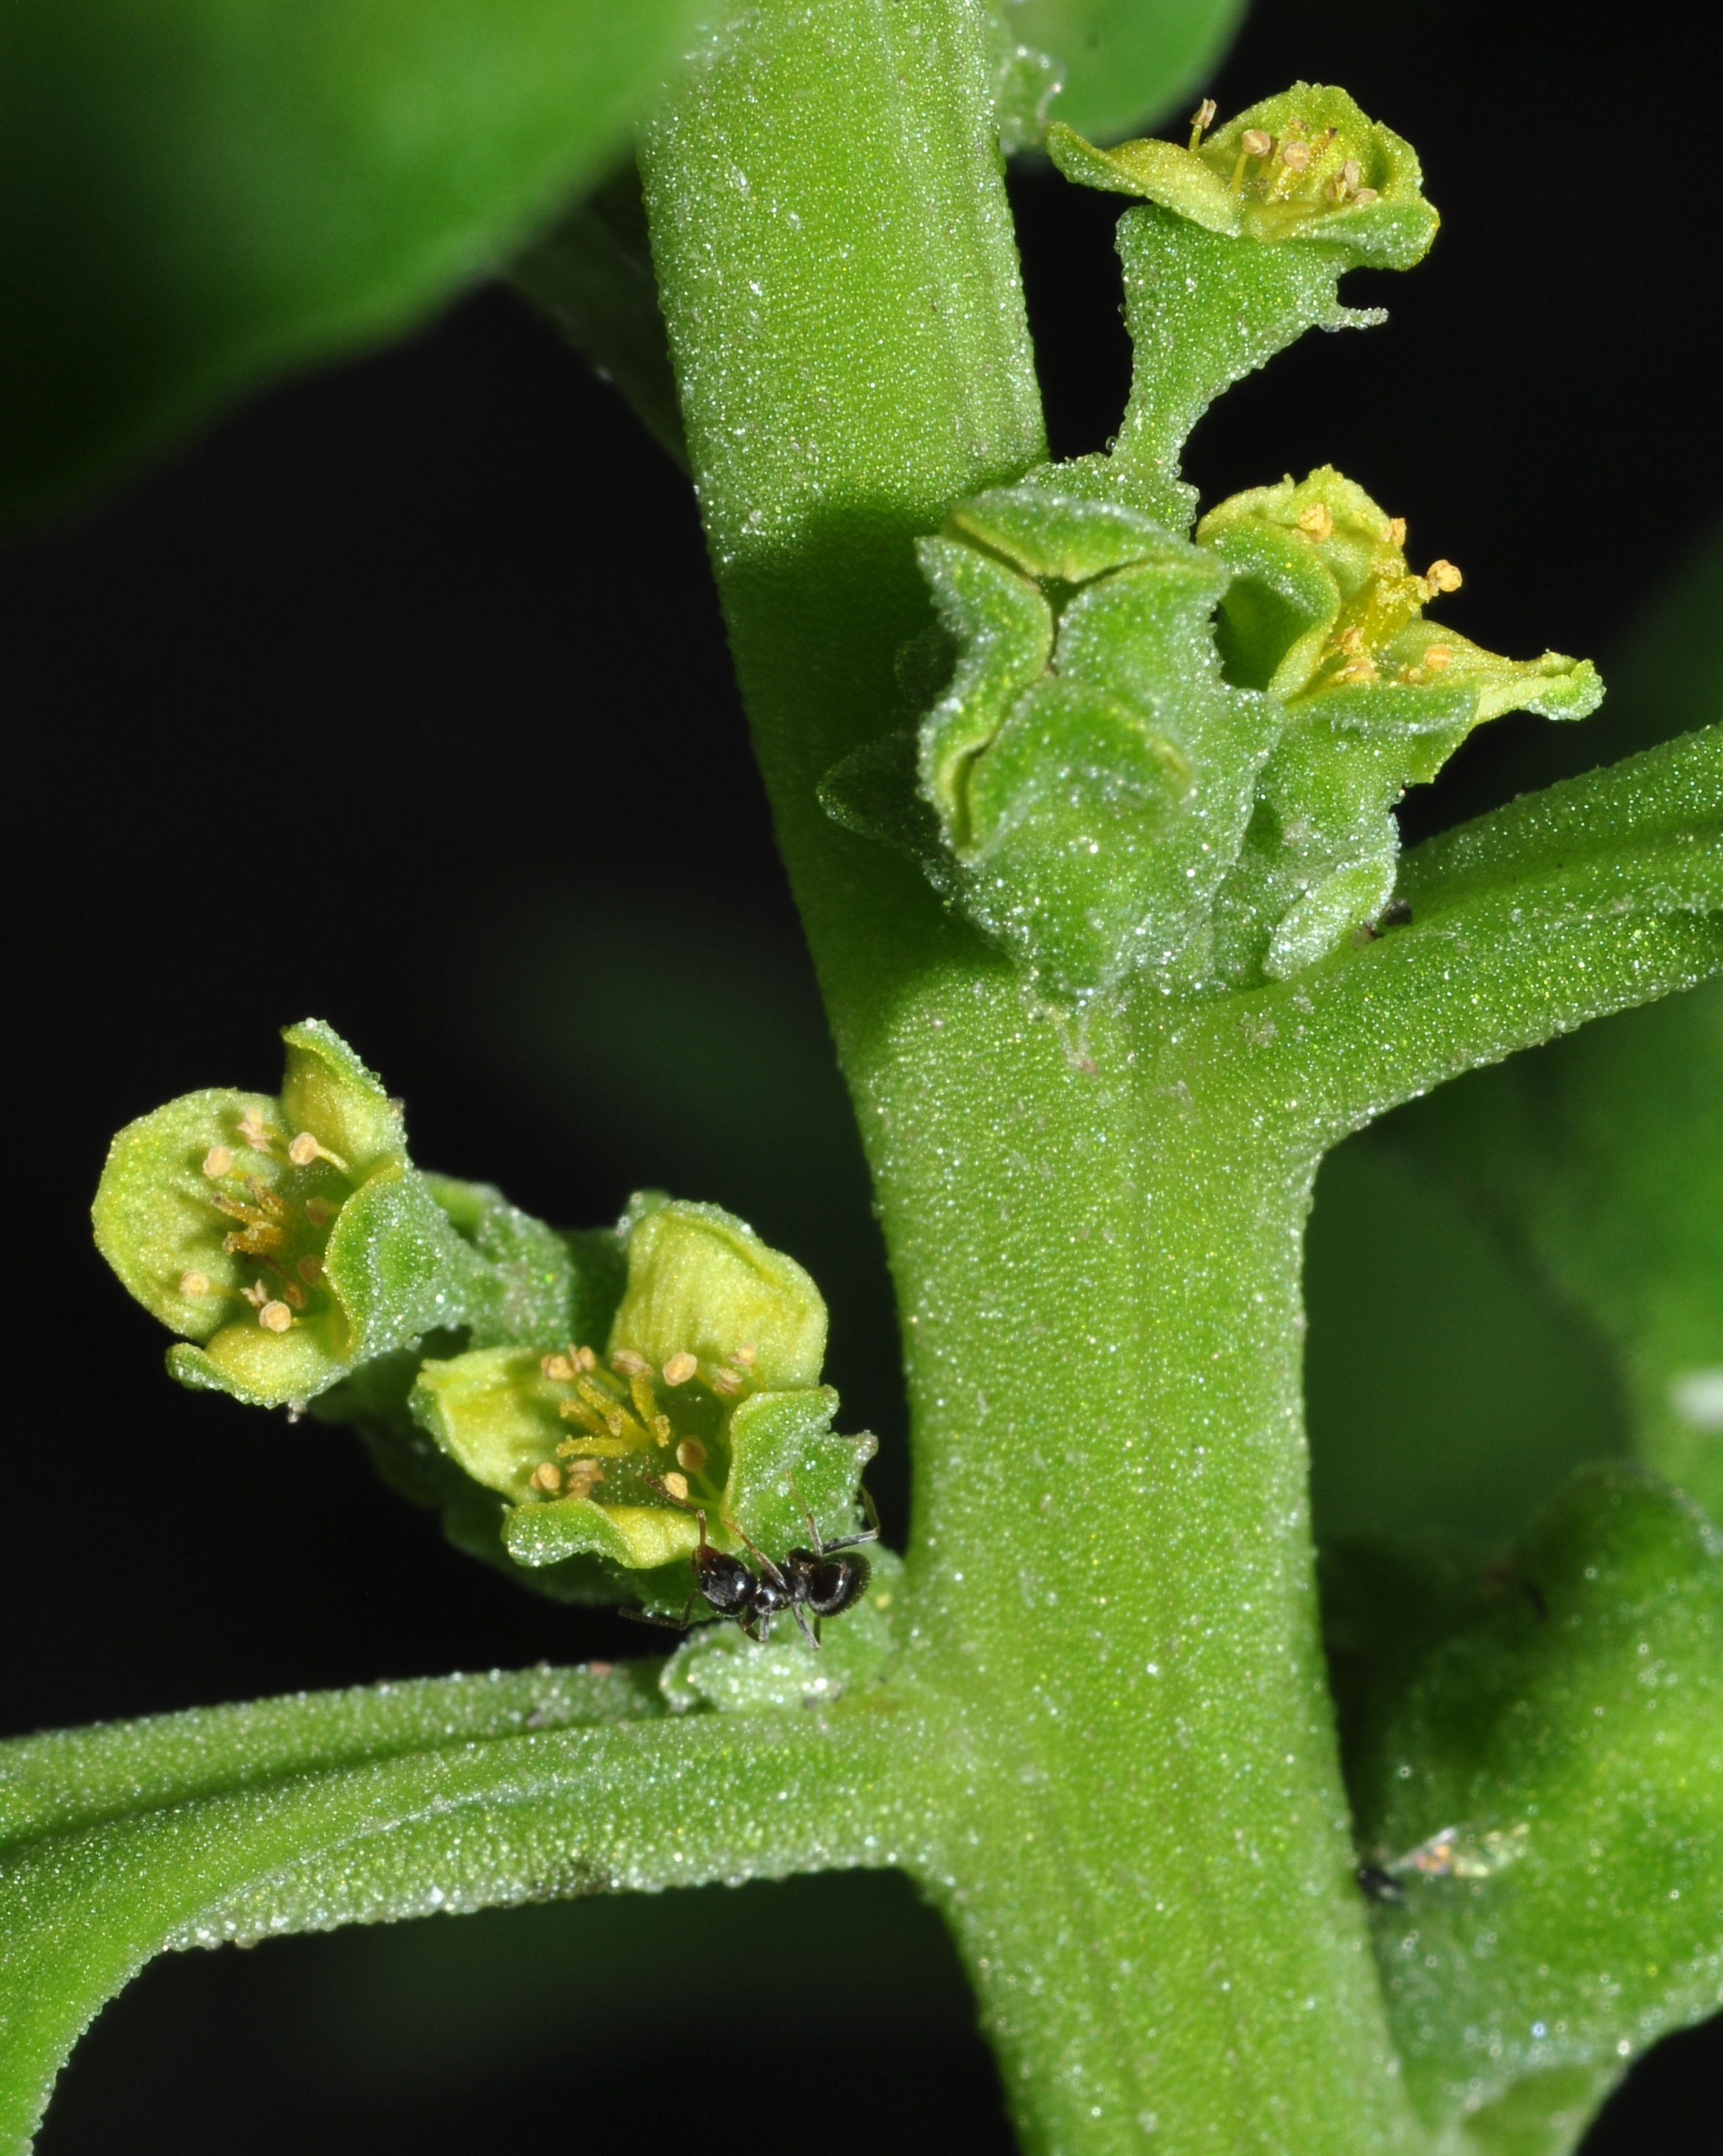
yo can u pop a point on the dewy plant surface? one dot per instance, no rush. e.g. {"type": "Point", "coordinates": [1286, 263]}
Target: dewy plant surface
{"type": "Point", "coordinates": [1087, 806]}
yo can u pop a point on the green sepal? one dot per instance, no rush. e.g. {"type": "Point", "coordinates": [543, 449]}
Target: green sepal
{"type": "Point", "coordinates": [1221, 186]}
{"type": "Point", "coordinates": [540, 1286]}
{"type": "Point", "coordinates": [1544, 1797]}
{"type": "Point", "coordinates": [701, 1282]}
{"type": "Point", "coordinates": [1121, 64]}
{"type": "Point", "coordinates": [1091, 772]}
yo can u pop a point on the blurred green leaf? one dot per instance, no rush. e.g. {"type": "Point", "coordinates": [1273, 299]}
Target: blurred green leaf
{"type": "Point", "coordinates": [1547, 1797]}
{"type": "Point", "coordinates": [199, 194]}
{"type": "Point", "coordinates": [1124, 64]}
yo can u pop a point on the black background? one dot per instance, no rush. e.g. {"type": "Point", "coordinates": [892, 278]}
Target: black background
{"type": "Point", "coordinates": [402, 700]}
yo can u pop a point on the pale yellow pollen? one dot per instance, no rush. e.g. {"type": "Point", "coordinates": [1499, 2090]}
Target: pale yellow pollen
{"type": "Point", "coordinates": [581, 1475]}
{"type": "Point", "coordinates": [557, 1366]}
{"type": "Point", "coordinates": [1316, 521]}
{"type": "Point", "coordinates": [318, 1210]}
{"type": "Point", "coordinates": [677, 1485]}
{"type": "Point", "coordinates": [630, 1365]}
{"type": "Point", "coordinates": [1438, 659]}
{"type": "Point", "coordinates": [548, 1475]}
{"type": "Point", "coordinates": [661, 1429]}
{"type": "Point", "coordinates": [1202, 119]}
{"type": "Point", "coordinates": [274, 1318]}
{"type": "Point", "coordinates": [681, 1368]}
{"type": "Point", "coordinates": [309, 1269]}
{"type": "Point", "coordinates": [691, 1454]}
{"type": "Point", "coordinates": [1443, 576]}
{"type": "Point", "coordinates": [1363, 669]}
{"type": "Point", "coordinates": [1352, 638]}
{"type": "Point", "coordinates": [1256, 142]}
{"type": "Point", "coordinates": [194, 1283]}
{"type": "Point", "coordinates": [218, 1161]}
{"type": "Point", "coordinates": [1396, 531]}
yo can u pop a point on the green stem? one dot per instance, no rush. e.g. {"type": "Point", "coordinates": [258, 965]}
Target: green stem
{"type": "Point", "coordinates": [1138, 1826]}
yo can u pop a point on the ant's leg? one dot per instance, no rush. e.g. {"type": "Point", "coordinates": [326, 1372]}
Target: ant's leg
{"type": "Point", "coordinates": [810, 1633]}
{"type": "Point", "coordinates": [668, 1624]}
{"type": "Point", "coordinates": [850, 1541]}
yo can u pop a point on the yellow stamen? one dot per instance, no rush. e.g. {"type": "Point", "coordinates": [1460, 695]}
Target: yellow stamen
{"type": "Point", "coordinates": [1443, 576]}
{"type": "Point", "coordinates": [1202, 119]}
{"type": "Point", "coordinates": [1396, 531]}
{"type": "Point", "coordinates": [677, 1485]}
{"type": "Point", "coordinates": [630, 1364]}
{"type": "Point", "coordinates": [1438, 658]}
{"type": "Point", "coordinates": [548, 1475]}
{"type": "Point", "coordinates": [557, 1366]}
{"type": "Point", "coordinates": [680, 1369]}
{"type": "Point", "coordinates": [274, 1318]}
{"type": "Point", "coordinates": [305, 1149]}
{"type": "Point", "coordinates": [1316, 521]}
{"type": "Point", "coordinates": [254, 1132]}
{"type": "Point", "coordinates": [218, 1161]}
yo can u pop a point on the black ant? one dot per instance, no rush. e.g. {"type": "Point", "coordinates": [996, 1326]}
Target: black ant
{"type": "Point", "coordinates": [819, 1579]}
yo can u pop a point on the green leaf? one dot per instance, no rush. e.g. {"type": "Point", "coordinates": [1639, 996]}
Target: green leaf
{"type": "Point", "coordinates": [1120, 63]}
{"type": "Point", "coordinates": [1546, 1797]}
{"type": "Point", "coordinates": [197, 195]}
{"type": "Point", "coordinates": [302, 1814]}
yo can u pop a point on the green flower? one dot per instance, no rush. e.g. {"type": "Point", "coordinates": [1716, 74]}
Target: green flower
{"type": "Point", "coordinates": [1307, 165]}
{"type": "Point", "coordinates": [287, 1240]}
{"type": "Point", "coordinates": [1324, 614]}
{"type": "Point", "coordinates": [706, 1397]}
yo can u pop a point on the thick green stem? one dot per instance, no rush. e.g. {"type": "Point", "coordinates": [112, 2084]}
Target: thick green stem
{"type": "Point", "coordinates": [1098, 1248]}
{"type": "Point", "coordinates": [1138, 1830]}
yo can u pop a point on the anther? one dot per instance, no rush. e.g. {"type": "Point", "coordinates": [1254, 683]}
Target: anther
{"type": "Point", "coordinates": [253, 1130]}
{"type": "Point", "coordinates": [582, 1474]}
{"type": "Point", "coordinates": [630, 1365]}
{"type": "Point", "coordinates": [294, 1294]}
{"type": "Point", "coordinates": [1438, 658]}
{"type": "Point", "coordinates": [318, 1210]}
{"type": "Point", "coordinates": [728, 1383]}
{"type": "Point", "coordinates": [584, 1358]}
{"type": "Point", "coordinates": [310, 1270]}
{"type": "Point", "coordinates": [1352, 638]}
{"type": "Point", "coordinates": [257, 1294]}
{"type": "Point", "coordinates": [1296, 155]}
{"type": "Point", "coordinates": [1362, 669]}
{"type": "Point", "coordinates": [1363, 196]}
{"type": "Point", "coordinates": [745, 1358]}
{"type": "Point", "coordinates": [557, 1366]}
{"type": "Point", "coordinates": [1316, 521]}
{"type": "Point", "coordinates": [1396, 531]}
{"type": "Point", "coordinates": [194, 1283]}
{"type": "Point", "coordinates": [677, 1486]}
{"type": "Point", "coordinates": [1202, 119]}
{"type": "Point", "coordinates": [1256, 142]}
{"type": "Point", "coordinates": [274, 1318]}
{"type": "Point", "coordinates": [681, 1368]}
{"type": "Point", "coordinates": [1443, 576]}
{"type": "Point", "coordinates": [548, 1475]}
{"type": "Point", "coordinates": [691, 1454]}
{"type": "Point", "coordinates": [218, 1161]}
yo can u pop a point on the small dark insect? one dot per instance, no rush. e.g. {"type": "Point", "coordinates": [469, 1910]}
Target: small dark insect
{"type": "Point", "coordinates": [1396, 914]}
{"type": "Point", "coordinates": [821, 1580]}
{"type": "Point", "coordinates": [1379, 1885]}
